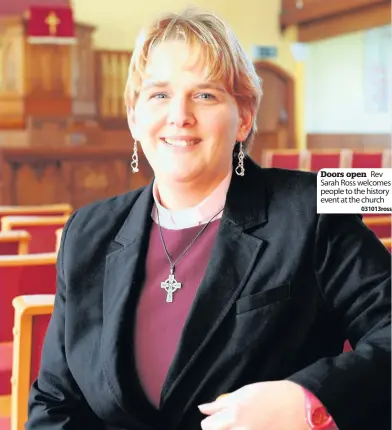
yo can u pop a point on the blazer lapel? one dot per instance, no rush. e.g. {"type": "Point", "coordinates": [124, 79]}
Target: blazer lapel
{"type": "Point", "coordinates": [122, 284]}
{"type": "Point", "coordinates": [233, 258]}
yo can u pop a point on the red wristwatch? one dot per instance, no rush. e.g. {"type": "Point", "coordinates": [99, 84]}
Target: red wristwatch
{"type": "Point", "coordinates": [317, 416]}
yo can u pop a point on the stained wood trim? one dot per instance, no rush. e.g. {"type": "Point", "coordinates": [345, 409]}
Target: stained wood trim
{"type": "Point", "coordinates": [98, 76]}
{"type": "Point", "coordinates": [119, 123]}
{"type": "Point", "coordinates": [48, 106]}
{"type": "Point", "coordinates": [11, 20]}
{"type": "Point", "coordinates": [34, 304]}
{"type": "Point", "coordinates": [84, 26]}
{"type": "Point", "coordinates": [387, 242]}
{"type": "Point", "coordinates": [56, 208]}
{"type": "Point", "coordinates": [9, 223]}
{"type": "Point", "coordinates": [14, 235]}
{"type": "Point", "coordinates": [12, 124]}
{"type": "Point", "coordinates": [113, 52]}
{"type": "Point", "coordinates": [47, 258]}
{"type": "Point", "coordinates": [351, 141]}
{"type": "Point", "coordinates": [316, 10]}
{"type": "Point", "coordinates": [25, 307]}
{"type": "Point", "coordinates": [372, 221]}
{"type": "Point", "coordinates": [59, 233]}
{"type": "Point", "coordinates": [63, 153]}
{"type": "Point", "coordinates": [5, 405]}
{"type": "Point", "coordinates": [106, 121]}
{"type": "Point", "coordinates": [349, 22]}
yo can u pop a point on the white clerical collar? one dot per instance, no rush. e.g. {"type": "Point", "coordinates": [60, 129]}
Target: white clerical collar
{"type": "Point", "coordinates": [196, 215]}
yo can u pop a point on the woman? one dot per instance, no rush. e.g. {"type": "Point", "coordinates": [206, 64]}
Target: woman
{"type": "Point", "coordinates": [217, 278]}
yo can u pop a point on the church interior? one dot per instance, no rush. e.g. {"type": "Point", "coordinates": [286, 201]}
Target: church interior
{"type": "Point", "coordinates": [65, 141]}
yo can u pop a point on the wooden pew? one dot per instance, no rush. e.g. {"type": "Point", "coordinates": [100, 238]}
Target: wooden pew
{"type": "Point", "coordinates": [380, 225]}
{"type": "Point", "coordinates": [61, 209]}
{"type": "Point", "coordinates": [41, 229]}
{"type": "Point", "coordinates": [20, 275]}
{"type": "Point", "coordinates": [59, 232]}
{"type": "Point", "coordinates": [387, 242]}
{"type": "Point", "coordinates": [317, 160]}
{"type": "Point", "coordinates": [32, 315]}
{"type": "Point", "coordinates": [292, 159]}
{"type": "Point", "coordinates": [368, 159]}
{"type": "Point", "coordinates": [14, 242]}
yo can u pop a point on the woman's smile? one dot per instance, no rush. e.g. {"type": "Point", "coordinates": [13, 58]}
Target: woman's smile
{"type": "Point", "coordinates": [181, 142]}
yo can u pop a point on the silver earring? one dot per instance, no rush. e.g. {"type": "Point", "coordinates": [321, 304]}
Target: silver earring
{"type": "Point", "coordinates": [240, 170]}
{"type": "Point", "coordinates": [135, 158]}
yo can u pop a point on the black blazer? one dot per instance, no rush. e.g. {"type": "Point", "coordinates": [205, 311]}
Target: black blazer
{"type": "Point", "coordinates": [283, 289]}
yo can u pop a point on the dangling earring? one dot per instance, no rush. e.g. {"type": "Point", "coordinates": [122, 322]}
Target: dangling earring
{"type": "Point", "coordinates": [240, 167]}
{"type": "Point", "coordinates": [135, 158]}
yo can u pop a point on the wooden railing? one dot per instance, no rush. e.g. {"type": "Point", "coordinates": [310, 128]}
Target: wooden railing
{"type": "Point", "coordinates": [111, 75]}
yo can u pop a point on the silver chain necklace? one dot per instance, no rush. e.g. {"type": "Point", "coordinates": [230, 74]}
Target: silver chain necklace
{"type": "Point", "coordinates": [171, 284]}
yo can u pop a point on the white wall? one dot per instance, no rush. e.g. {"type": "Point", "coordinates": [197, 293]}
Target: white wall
{"type": "Point", "coordinates": [342, 84]}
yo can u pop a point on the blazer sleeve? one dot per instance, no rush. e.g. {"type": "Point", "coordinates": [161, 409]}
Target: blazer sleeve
{"type": "Point", "coordinates": [55, 401]}
{"type": "Point", "coordinates": [353, 270]}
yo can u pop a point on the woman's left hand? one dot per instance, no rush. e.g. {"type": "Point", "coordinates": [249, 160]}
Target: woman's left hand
{"type": "Point", "coordinates": [276, 405]}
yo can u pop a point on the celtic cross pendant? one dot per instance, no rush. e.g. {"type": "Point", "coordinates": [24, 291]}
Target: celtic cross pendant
{"type": "Point", "coordinates": [170, 286]}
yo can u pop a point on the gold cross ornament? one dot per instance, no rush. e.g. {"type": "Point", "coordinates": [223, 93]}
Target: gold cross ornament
{"type": "Point", "coordinates": [53, 21]}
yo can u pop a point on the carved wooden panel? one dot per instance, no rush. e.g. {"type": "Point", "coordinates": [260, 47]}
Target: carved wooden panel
{"type": "Point", "coordinates": [46, 131]}
{"type": "Point", "coordinates": [1, 59]}
{"type": "Point", "coordinates": [12, 53]}
{"type": "Point", "coordinates": [44, 183]}
{"type": "Point", "coordinates": [74, 175]}
{"type": "Point", "coordinates": [48, 70]}
{"type": "Point", "coordinates": [11, 75]}
{"type": "Point", "coordinates": [48, 80]}
{"type": "Point", "coordinates": [10, 66]}
{"type": "Point", "coordinates": [11, 111]}
{"type": "Point", "coordinates": [95, 180]}
{"type": "Point", "coordinates": [83, 85]}
{"type": "Point", "coordinates": [111, 76]}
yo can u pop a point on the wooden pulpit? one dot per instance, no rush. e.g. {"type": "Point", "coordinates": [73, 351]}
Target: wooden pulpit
{"type": "Point", "coordinates": [47, 88]}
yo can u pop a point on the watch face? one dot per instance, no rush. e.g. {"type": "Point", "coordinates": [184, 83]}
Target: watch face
{"type": "Point", "coordinates": [320, 417]}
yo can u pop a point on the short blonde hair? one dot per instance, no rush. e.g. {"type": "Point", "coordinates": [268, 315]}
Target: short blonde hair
{"type": "Point", "coordinates": [226, 60]}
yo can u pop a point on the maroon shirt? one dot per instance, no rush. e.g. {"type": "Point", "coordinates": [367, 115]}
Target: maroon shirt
{"type": "Point", "coordinates": [159, 324]}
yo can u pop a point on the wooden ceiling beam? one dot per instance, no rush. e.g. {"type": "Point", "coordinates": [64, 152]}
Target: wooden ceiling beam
{"type": "Point", "coordinates": [356, 20]}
